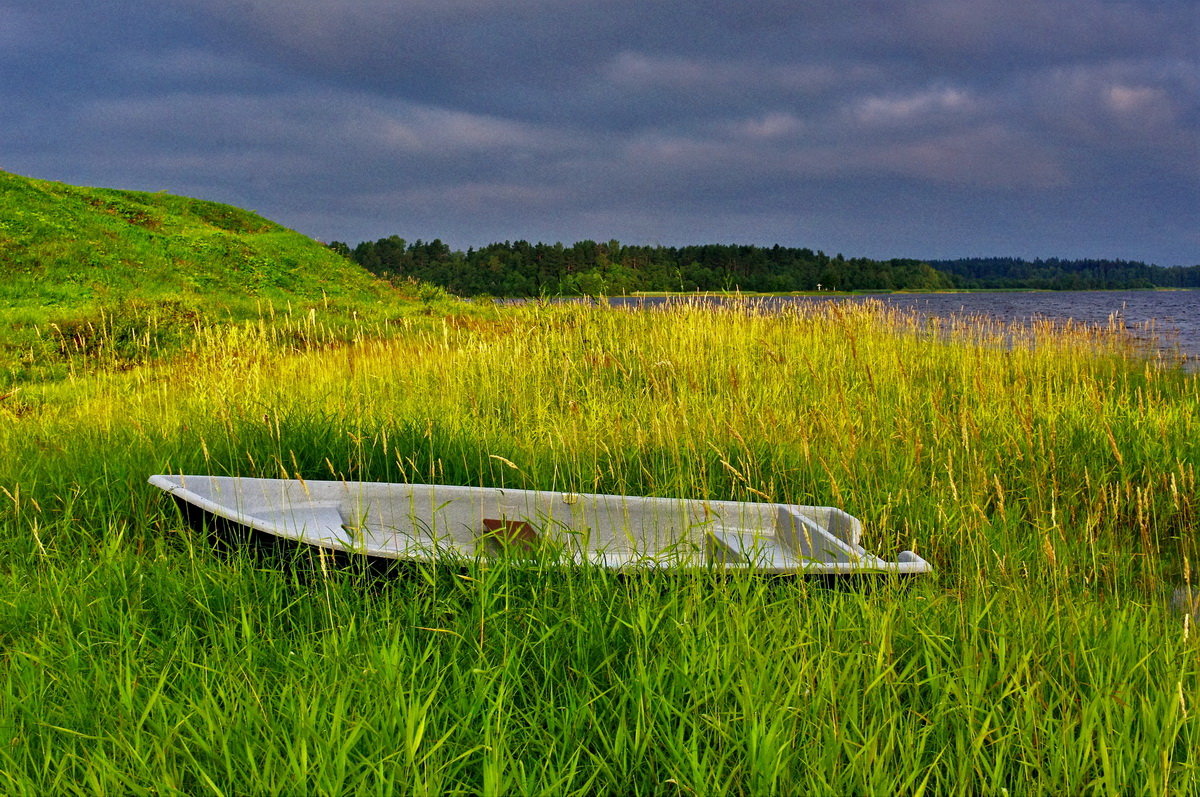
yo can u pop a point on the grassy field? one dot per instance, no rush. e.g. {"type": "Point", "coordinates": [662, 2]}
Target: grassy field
{"type": "Point", "coordinates": [1049, 474]}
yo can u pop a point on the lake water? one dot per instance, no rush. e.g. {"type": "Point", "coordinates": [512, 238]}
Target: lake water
{"type": "Point", "coordinates": [1169, 320]}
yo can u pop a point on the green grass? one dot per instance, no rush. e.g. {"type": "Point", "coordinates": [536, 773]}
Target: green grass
{"type": "Point", "coordinates": [64, 246]}
{"type": "Point", "coordinates": [95, 278]}
{"type": "Point", "coordinates": [134, 273]}
{"type": "Point", "coordinates": [1049, 474]}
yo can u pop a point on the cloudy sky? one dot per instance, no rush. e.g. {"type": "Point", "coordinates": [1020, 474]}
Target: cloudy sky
{"type": "Point", "coordinates": [917, 128]}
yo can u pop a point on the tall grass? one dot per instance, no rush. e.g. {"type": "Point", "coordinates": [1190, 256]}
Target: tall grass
{"type": "Point", "coordinates": [1049, 474]}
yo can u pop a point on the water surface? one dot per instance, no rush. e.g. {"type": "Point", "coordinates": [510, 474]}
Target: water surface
{"type": "Point", "coordinates": [1169, 321]}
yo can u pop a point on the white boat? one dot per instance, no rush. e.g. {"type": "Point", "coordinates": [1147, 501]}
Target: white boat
{"type": "Point", "coordinates": [443, 522]}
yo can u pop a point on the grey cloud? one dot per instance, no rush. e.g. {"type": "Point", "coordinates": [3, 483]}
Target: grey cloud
{"type": "Point", "coordinates": [297, 134]}
{"type": "Point", "coordinates": [987, 35]}
{"type": "Point", "coordinates": [520, 32]}
{"type": "Point", "coordinates": [935, 105]}
{"type": "Point", "coordinates": [15, 29]}
{"type": "Point", "coordinates": [1118, 113]}
{"type": "Point", "coordinates": [878, 128]}
{"type": "Point", "coordinates": [639, 71]}
{"type": "Point", "coordinates": [986, 157]}
{"type": "Point", "coordinates": [188, 65]}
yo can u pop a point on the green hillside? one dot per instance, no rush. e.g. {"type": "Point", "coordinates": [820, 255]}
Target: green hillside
{"type": "Point", "coordinates": [65, 246]}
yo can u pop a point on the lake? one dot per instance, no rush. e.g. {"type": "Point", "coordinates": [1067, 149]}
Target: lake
{"type": "Point", "coordinates": [1167, 320]}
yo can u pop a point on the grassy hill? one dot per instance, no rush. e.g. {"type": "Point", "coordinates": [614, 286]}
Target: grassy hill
{"type": "Point", "coordinates": [65, 246]}
{"type": "Point", "coordinates": [102, 278]}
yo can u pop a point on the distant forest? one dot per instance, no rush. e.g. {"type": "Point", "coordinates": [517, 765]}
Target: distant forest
{"type": "Point", "coordinates": [1071, 275]}
{"type": "Point", "coordinates": [589, 268]}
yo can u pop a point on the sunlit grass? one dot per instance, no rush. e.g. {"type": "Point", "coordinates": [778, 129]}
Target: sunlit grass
{"type": "Point", "coordinates": [1049, 474]}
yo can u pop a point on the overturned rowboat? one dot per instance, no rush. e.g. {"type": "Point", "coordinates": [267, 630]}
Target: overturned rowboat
{"type": "Point", "coordinates": [434, 522]}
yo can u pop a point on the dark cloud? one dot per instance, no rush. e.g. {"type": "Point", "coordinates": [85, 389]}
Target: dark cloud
{"type": "Point", "coordinates": [927, 128]}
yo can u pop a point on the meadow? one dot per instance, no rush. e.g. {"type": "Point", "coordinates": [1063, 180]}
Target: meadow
{"type": "Point", "coordinates": [1049, 473]}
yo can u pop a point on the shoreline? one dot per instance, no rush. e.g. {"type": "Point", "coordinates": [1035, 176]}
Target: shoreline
{"type": "Point", "coordinates": [876, 292]}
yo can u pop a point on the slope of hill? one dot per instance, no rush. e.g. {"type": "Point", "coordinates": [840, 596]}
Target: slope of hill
{"type": "Point", "coordinates": [66, 246]}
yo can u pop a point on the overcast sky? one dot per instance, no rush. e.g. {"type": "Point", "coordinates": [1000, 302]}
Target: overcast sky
{"type": "Point", "coordinates": [880, 128]}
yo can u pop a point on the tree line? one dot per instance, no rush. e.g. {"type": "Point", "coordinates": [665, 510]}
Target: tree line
{"type": "Point", "coordinates": [1056, 274]}
{"type": "Point", "coordinates": [590, 268]}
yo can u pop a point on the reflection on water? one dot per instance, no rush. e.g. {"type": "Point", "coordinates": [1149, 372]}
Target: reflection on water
{"type": "Point", "coordinates": [1167, 320]}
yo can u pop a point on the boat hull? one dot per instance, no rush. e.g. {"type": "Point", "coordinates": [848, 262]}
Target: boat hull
{"type": "Point", "coordinates": [395, 523]}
